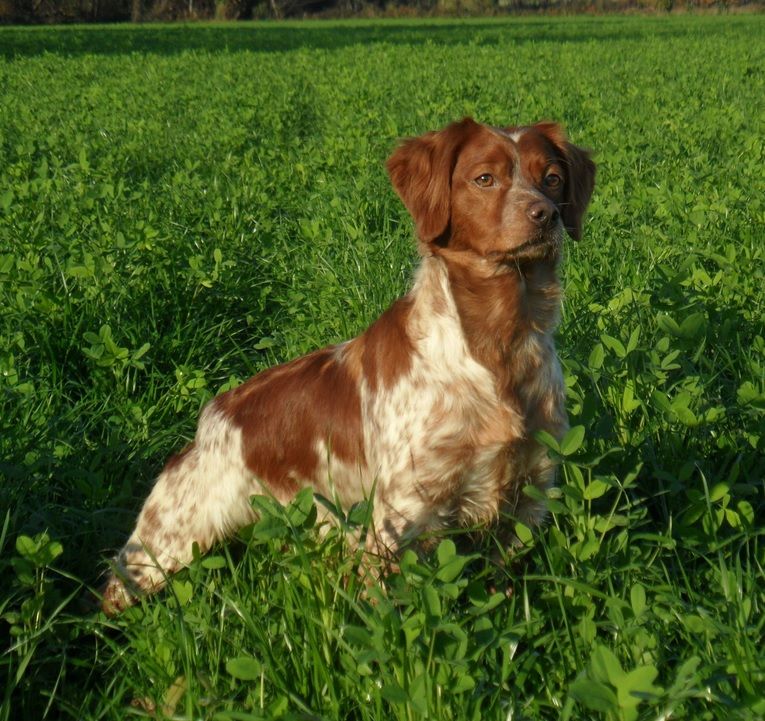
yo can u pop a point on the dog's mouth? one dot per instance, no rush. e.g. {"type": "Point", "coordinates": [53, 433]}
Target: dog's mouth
{"type": "Point", "coordinates": [544, 246]}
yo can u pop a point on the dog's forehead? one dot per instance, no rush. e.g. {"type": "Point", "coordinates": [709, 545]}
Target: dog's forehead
{"type": "Point", "coordinates": [524, 148]}
{"type": "Point", "coordinates": [528, 140]}
{"type": "Point", "coordinates": [488, 145]}
{"type": "Point", "coordinates": [514, 134]}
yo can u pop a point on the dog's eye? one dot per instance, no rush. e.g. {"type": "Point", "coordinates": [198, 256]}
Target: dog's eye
{"type": "Point", "coordinates": [486, 180]}
{"type": "Point", "coordinates": [553, 180]}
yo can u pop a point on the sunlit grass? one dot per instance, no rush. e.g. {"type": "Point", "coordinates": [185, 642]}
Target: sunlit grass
{"type": "Point", "coordinates": [181, 207]}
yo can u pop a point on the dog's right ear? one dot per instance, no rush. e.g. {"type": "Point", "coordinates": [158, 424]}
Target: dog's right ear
{"type": "Point", "coordinates": [421, 169]}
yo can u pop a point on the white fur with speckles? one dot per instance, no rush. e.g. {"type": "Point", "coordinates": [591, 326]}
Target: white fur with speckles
{"type": "Point", "coordinates": [202, 498]}
{"type": "Point", "coordinates": [413, 435]}
{"type": "Point", "coordinates": [438, 407]}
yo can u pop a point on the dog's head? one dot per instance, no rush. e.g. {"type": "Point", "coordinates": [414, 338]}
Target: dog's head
{"type": "Point", "coordinates": [505, 194]}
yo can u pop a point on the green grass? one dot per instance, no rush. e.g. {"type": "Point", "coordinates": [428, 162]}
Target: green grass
{"type": "Point", "coordinates": [182, 206]}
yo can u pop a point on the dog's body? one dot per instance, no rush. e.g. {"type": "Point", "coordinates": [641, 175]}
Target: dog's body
{"type": "Point", "coordinates": [433, 410]}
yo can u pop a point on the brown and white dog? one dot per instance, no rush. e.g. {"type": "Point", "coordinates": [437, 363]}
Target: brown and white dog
{"type": "Point", "coordinates": [434, 408]}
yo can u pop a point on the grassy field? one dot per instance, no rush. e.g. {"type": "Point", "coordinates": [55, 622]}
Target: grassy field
{"type": "Point", "coordinates": [182, 206]}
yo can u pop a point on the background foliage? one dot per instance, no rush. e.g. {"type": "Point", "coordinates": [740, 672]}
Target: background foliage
{"type": "Point", "coordinates": [182, 206]}
{"type": "Point", "coordinates": [58, 11]}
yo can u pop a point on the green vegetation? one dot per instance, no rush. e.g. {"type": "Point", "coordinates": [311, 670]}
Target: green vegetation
{"type": "Point", "coordinates": [181, 207]}
{"type": "Point", "coordinates": [88, 11]}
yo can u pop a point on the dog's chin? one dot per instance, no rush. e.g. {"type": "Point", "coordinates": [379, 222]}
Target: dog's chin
{"type": "Point", "coordinates": [543, 247]}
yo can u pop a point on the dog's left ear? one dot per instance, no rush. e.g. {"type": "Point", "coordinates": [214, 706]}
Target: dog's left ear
{"type": "Point", "coordinates": [580, 177]}
{"type": "Point", "coordinates": [420, 170]}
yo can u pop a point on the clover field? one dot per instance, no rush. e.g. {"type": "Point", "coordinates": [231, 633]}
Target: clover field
{"type": "Point", "coordinates": [182, 206]}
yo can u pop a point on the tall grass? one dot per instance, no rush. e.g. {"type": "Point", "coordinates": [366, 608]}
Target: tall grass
{"type": "Point", "coordinates": [181, 207]}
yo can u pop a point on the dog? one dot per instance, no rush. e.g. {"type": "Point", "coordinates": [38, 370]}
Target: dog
{"type": "Point", "coordinates": [432, 411]}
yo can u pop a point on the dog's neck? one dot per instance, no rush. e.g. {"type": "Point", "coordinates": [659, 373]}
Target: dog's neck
{"type": "Point", "coordinates": [505, 310]}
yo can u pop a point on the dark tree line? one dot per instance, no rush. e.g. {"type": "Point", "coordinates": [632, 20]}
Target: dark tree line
{"type": "Point", "coordinates": [58, 11]}
{"type": "Point", "coordinates": [67, 11]}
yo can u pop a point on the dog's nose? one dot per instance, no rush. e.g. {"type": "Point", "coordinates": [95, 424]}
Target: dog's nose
{"type": "Point", "coordinates": [543, 213]}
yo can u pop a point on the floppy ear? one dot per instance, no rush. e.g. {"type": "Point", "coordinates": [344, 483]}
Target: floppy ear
{"type": "Point", "coordinates": [580, 178]}
{"type": "Point", "coordinates": [421, 169]}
